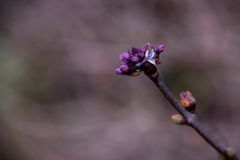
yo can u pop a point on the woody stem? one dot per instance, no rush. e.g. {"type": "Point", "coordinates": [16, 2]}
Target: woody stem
{"type": "Point", "coordinates": [191, 119]}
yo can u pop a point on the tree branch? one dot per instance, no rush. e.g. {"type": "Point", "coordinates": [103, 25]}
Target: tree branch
{"type": "Point", "coordinates": [191, 119]}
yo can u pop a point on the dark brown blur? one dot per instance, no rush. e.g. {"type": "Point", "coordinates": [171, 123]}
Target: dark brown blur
{"type": "Point", "coordinates": [61, 100]}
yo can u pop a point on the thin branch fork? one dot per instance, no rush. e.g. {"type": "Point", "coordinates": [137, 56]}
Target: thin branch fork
{"type": "Point", "coordinates": [190, 118]}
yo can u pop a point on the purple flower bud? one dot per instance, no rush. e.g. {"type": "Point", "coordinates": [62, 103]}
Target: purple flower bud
{"type": "Point", "coordinates": [148, 46]}
{"type": "Point", "coordinates": [118, 71]}
{"type": "Point", "coordinates": [136, 51]}
{"type": "Point", "coordinates": [141, 55]}
{"type": "Point", "coordinates": [125, 57]}
{"type": "Point", "coordinates": [124, 68]}
{"type": "Point", "coordinates": [134, 59]}
{"type": "Point", "coordinates": [160, 49]}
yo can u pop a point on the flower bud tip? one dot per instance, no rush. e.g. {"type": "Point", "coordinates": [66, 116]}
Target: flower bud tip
{"type": "Point", "coordinates": [134, 59]}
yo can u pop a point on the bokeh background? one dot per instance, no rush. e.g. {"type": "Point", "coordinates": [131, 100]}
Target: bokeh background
{"type": "Point", "coordinates": [61, 100]}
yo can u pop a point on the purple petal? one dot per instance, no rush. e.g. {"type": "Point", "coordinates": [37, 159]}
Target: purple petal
{"type": "Point", "coordinates": [136, 51]}
{"type": "Point", "coordinates": [118, 71]}
{"type": "Point", "coordinates": [148, 46]}
{"type": "Point", "coordinates": [135, 59]}
{"type": "Point", "coordinates": [125, 57]}
{"type": "Point", "coordinates": [124, 68]}
{"type": "Point", "coordinates": [160, 49]}
{"type": "Point", "coordinates": [141, 55]}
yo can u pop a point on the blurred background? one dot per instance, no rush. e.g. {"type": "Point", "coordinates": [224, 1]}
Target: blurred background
{"type": "Point", "coordinates": [61, 100]}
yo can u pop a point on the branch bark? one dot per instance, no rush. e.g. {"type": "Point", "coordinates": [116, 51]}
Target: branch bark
{"type": "Point", "coordinates": [191, 119]}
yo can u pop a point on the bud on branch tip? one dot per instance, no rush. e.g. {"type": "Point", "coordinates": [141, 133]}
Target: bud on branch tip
{"type": "Point", "coordinates": [133, 60]}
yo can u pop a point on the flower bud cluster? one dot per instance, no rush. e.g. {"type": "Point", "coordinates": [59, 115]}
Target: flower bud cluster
{"type": "Point", "coordinates": [133, 60]}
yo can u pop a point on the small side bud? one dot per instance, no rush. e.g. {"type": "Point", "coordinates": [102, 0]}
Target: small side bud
{"type": "Point", "coordinates": [187, 101]}
{"type": "Point", "coordinates": [178, 119]}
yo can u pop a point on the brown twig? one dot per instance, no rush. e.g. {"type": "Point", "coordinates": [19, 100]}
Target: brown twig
{"type": "Point", "coordinates": [191, 119]}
